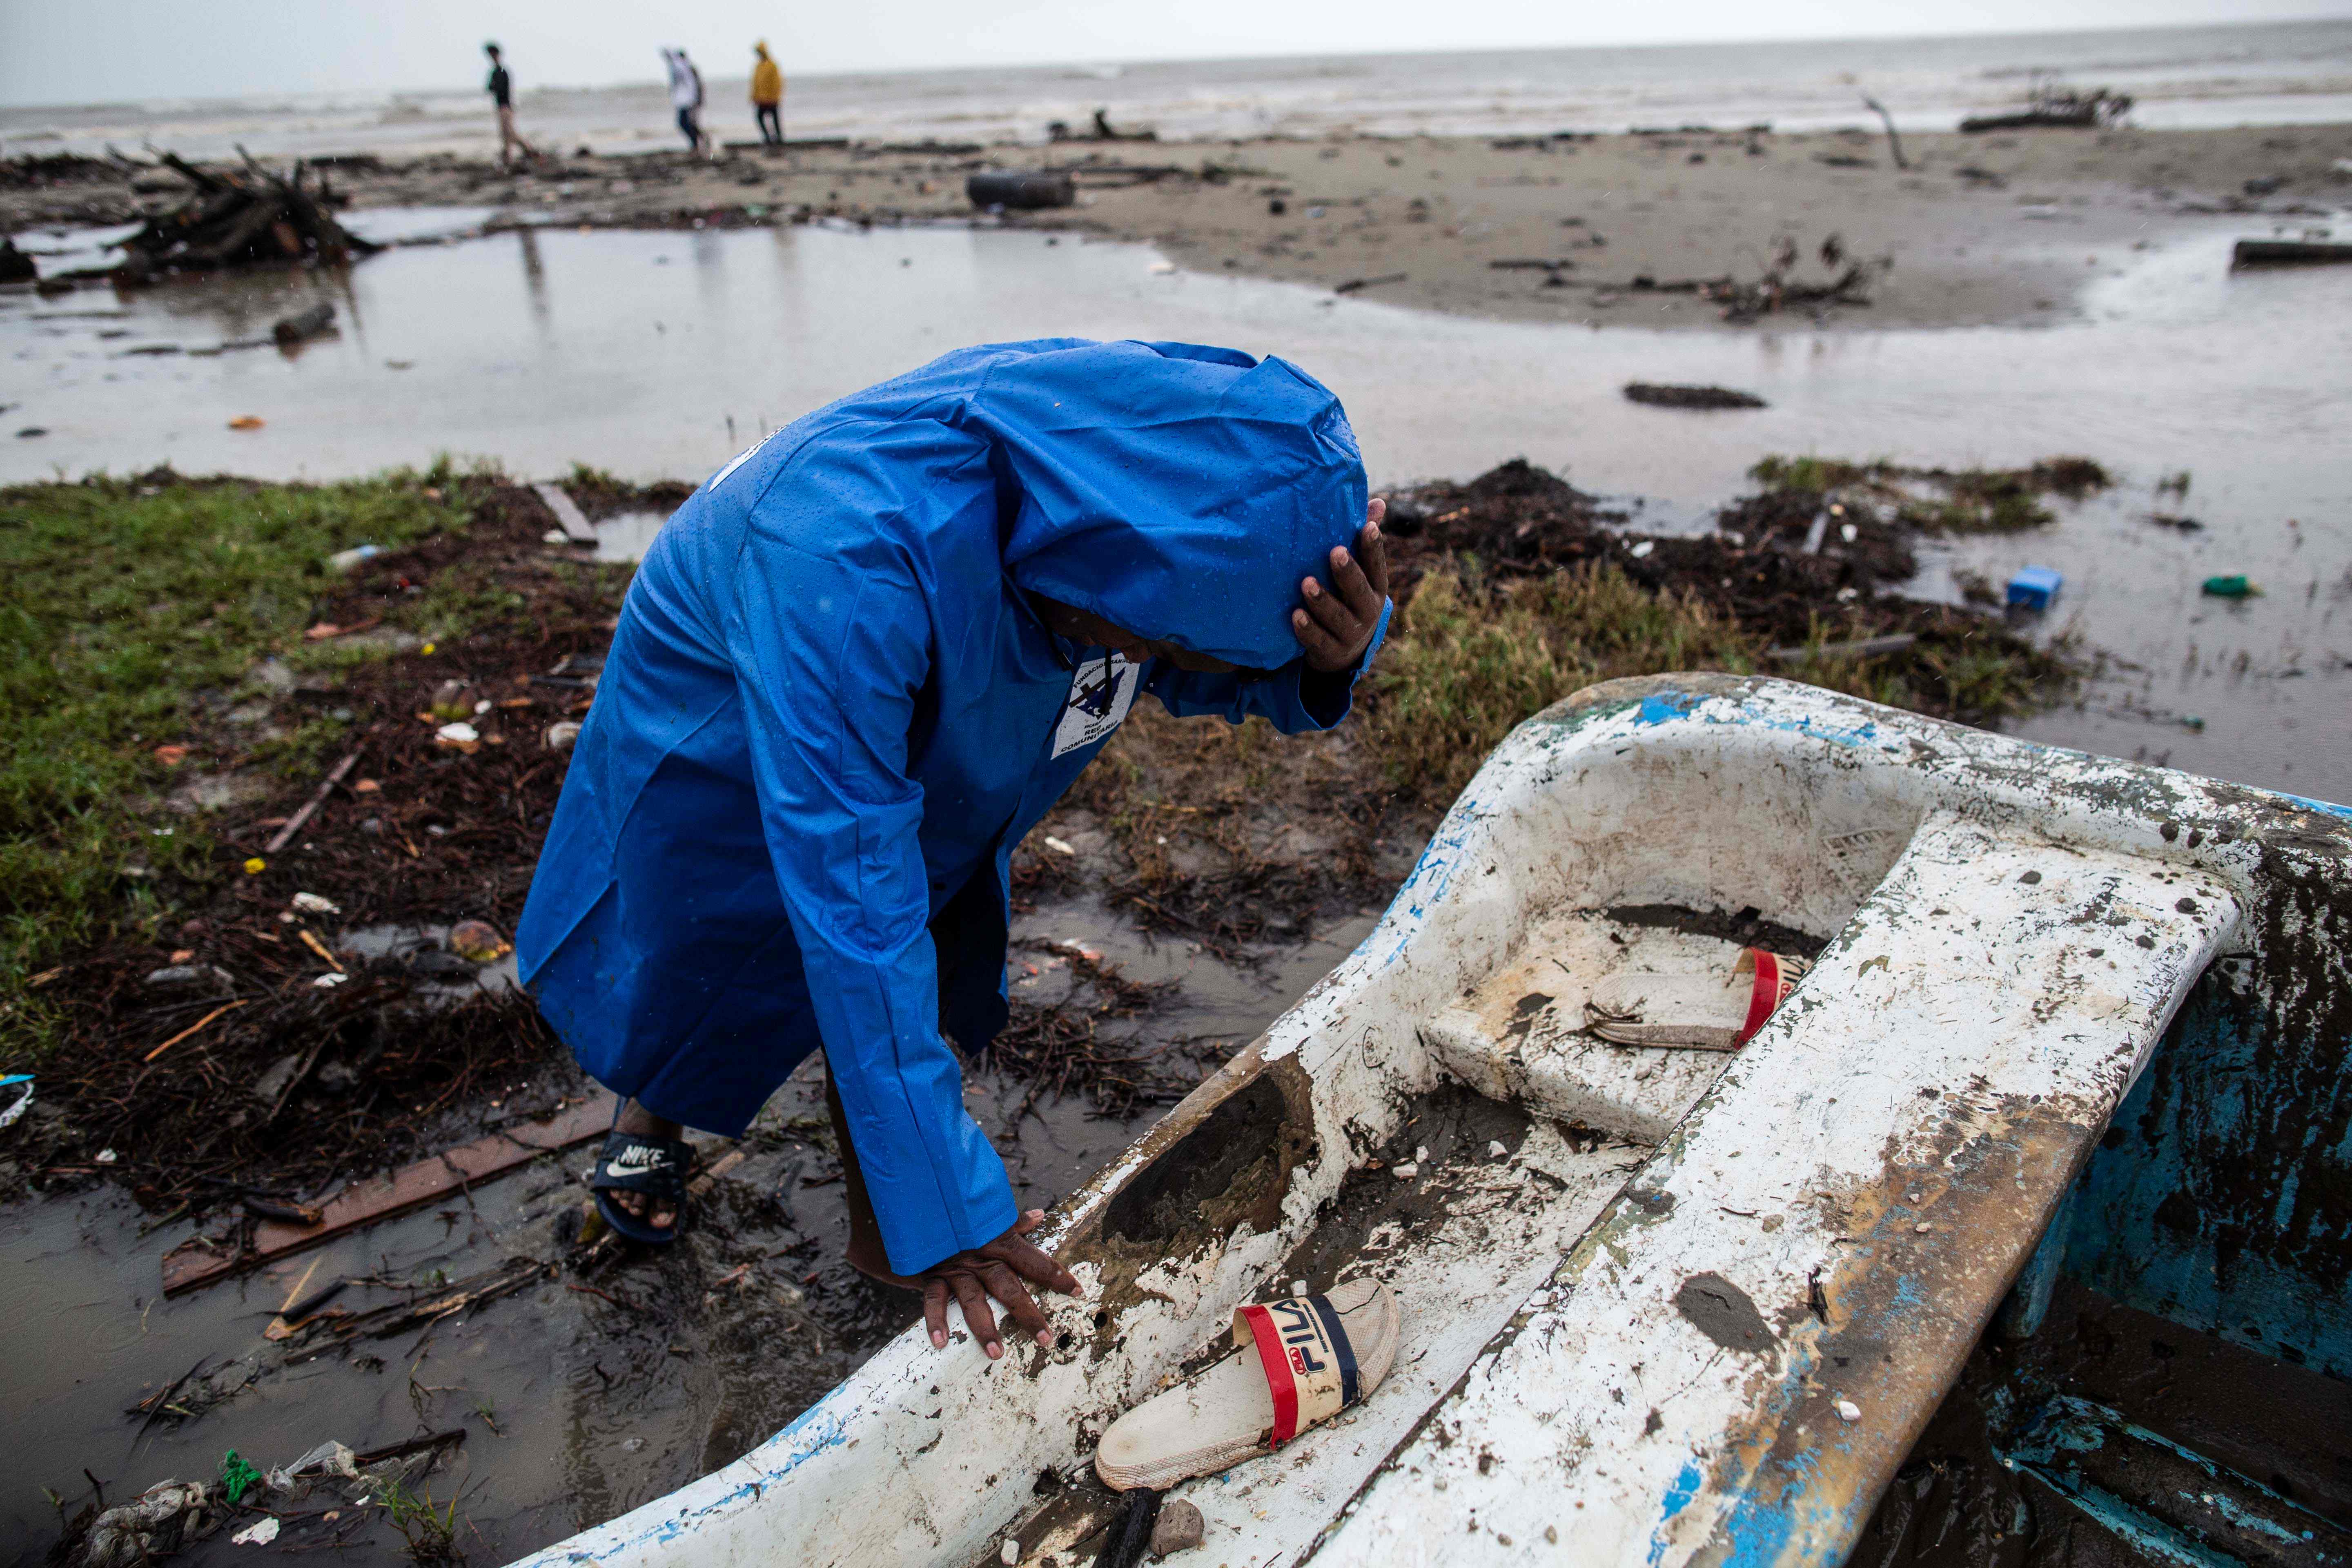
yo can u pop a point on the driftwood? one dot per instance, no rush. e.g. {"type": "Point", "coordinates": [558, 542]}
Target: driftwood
{"type": "Point", "coordinates": [1101, 130]}
{"type": "Point", "coordinates": [2289, 253]}
{"type": "Point", "coordinates": [1659, 395]}
{"type": "Point", "coordinates": [254, 217]}
{"type": "Point", "coordinates": [2056, 108]}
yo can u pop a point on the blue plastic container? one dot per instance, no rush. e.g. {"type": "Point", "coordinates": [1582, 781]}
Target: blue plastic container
{"type": "Point", "coordinates": [2034, 587]}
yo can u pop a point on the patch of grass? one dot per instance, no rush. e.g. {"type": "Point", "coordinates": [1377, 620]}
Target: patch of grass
{"type": "Point", "coordinates": [1470, 662]}
{"type": "Point", "coordinates": [133, 607]}
{"type": "Point", "coordinates": [430, 1530]}
{"type": "Point", "coordinates": [306, 751]}
{"type": "Point", "coordinates": [1938, 500]}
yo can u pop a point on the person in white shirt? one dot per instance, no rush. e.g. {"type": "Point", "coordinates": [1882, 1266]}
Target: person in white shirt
{"type": "Point", "coordinates": [686, 97]}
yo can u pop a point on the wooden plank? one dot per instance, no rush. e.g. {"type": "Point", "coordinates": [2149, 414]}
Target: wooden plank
{"type": "Point", "coordinates": [568, 515]}
{"type": "Point", "coordinates": [192, 1263]}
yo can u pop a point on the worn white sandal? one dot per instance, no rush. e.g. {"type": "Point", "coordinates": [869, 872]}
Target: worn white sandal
{"type": "Point", "coordinates": [1297, 1363]}
{"type": "Point", "coordinates": [1694, 1010]}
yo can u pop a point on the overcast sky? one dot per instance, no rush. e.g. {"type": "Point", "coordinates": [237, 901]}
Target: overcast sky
{"type": "Point", "coordinates": [79, 51]}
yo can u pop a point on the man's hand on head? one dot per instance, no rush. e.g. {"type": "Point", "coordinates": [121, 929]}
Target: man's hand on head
{"type": "Point", "coordinates": [1335, 625]}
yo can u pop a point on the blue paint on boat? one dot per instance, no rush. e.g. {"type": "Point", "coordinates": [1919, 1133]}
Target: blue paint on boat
{"type": "Point", "coordinates": [1678, 1497]}
{"type": "Point", "coordinates": [2221, 1197]}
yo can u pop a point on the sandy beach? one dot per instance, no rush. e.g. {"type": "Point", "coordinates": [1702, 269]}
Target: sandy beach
{"type": "Point", "coordinates": [1976, 230]}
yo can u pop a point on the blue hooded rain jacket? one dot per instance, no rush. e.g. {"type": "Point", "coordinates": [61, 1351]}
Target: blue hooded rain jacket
{"type": "Point", "coordinates": [829, 713]}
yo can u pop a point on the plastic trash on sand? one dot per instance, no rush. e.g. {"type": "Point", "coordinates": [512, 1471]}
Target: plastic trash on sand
{"type": "Point", "coordinates": [2033, 587]}
{"type": "Point", "coordinates": [236, 1477]}
{"type": "Point", "coordinates": [8, 1117]}
{"type": "Point", "coordinates": [477, 941]}
{"type": "Point", "coordinates": [2231, 585]}
{"type": "Point", "coordinates": [261, 1532]}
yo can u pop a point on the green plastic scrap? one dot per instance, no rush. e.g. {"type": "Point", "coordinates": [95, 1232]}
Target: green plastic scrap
{"type": "Point", "coordinates": [237, 1478]}
{"type": "Point", "coordinates": [2233, 586]}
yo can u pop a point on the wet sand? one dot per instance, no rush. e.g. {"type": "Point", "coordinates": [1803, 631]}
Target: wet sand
{"type": "Point", "coordinates": [1977, 230]}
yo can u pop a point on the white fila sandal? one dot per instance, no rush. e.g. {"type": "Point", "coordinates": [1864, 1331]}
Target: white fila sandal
{"type": "Point", "coordinates": [1297, 1361]}
{"type": "Point", "coordinates": [1705, 1011]}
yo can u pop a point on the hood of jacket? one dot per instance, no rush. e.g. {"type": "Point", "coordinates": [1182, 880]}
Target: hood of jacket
{"type": "Point", "coordinates": [1178, 491]}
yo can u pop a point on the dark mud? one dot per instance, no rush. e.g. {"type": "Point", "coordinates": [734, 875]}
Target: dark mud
{"type": "Point", "coordinates": [585, 1386]}
{"type": "Point", "coordinates": [1955, 1504]}
{"type": "Point", "coordinates": [1748, 927]}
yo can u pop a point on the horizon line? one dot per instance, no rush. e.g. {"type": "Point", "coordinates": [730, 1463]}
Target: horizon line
{"type": "Point", "coordinates": [2281, 20]}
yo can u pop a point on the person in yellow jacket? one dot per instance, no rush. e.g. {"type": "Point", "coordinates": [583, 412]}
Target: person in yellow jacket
{"type": "Point", "coordinates": [767, 96]}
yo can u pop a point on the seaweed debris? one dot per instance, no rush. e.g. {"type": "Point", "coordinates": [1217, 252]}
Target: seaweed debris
{"type": "Point", "coordinates": [1060, 1048]}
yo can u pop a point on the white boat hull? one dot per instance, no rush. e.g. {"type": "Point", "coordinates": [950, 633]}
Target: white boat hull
{"type": "Point", "coordinates": [1705, 1321]}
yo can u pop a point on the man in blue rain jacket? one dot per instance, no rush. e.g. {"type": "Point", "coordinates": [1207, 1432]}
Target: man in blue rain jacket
{"type": "Point", "coordinates": [852, 672]}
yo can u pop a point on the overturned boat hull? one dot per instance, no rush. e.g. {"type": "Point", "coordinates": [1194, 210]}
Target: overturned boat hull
{"type": "Point", "coordinates": [1666, 1307]}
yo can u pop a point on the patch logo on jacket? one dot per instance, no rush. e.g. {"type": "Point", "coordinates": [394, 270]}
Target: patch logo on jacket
{"type": "Point", "coordinates": [1101, 692]}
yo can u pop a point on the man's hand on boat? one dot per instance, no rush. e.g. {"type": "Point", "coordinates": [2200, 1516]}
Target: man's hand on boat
{"type": "Point", "coordinates": [1004, 1269]}
{"type": "Point", "coordinates": [1335, 625]}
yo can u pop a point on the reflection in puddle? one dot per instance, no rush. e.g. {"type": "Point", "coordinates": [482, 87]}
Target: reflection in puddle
{"type": "Point", "coordinates": [663, 353]}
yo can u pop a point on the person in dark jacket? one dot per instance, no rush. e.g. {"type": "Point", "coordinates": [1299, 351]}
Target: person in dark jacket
{"type": "Point", "coordinates": [856, 667]}
{"type": "Point", "coordinates": [501, 87]}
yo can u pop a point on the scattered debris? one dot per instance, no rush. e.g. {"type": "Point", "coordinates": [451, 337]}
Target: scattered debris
{"type": "Point", "coordinates": [159, 1523]}
{"type": "Point", "coordinates": [2173, 520]}
{"type": "Point", "coordinates": [1661, 396]}
{"type": "Point", "coordinates": [2289, 253]}
{"type": "Point", "coordinates": [237, 1478]}
{"type": "Point", "coordinates": [479, 941]}
{"type": "Point", "coordinates": [2052, 107]}
{"type": "Point", "coordinates": [343, 560]}
{"type": "Point", "coordinates": [1894, 142]}
{"type": "Point", "coordinates": [2231, 585]}
{"type": "Point", "coordinates": [568, 515]}
{"type": "Point", "coordinates": [1098, 130]}
{"type": "Point", "coordinates": [8, 1117]}
{"type": "Point", "coordinates": [1848, 1410]}
{"type": "Point", "coordinates": [305, 324]}
{"type": "Point", "coordinates": [2034, 587]}
{"type": "Point", "coordinates": [1021, 192]}
{"type": "Point", "coordinates": [203, 1259]}
{"type": "Point", "coordinates": [192, 1029]}
{"type": "Point", "coordinates": [1178, 1528]}
{"type": "Point", "coordinates": [260, 1534]}
{"type": "Point", "coordinates": [1355, 285]}
{"type": "Point", "coordinates": [247, 422]}
{"type": "Point", "coordinates": [1060, 1048]}
{"type": "Point", "coordinates": [256, 217]}
{"type": "Point", "coordinates": [302, 815]}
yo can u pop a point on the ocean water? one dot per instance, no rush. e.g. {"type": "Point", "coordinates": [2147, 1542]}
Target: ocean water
{"type": "Point", "coordinates": [2291, 73]}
